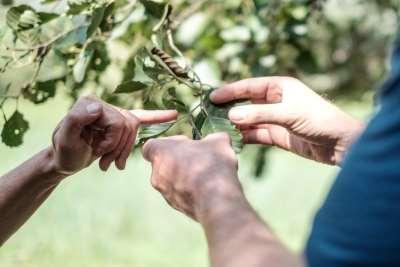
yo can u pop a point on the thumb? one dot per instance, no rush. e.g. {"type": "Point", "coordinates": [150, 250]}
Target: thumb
{"type": "Point", "coordinates": [82, 114]}
{"type": "Point", "coordinates": [278, 114]}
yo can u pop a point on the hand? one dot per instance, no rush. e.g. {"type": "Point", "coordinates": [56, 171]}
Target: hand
{"type": "Point", "coordinates": [191, 175]}
{"type": "Point", "coordinates": [287, 114]}
{"type": "Point", "coordinates": [94, 129]}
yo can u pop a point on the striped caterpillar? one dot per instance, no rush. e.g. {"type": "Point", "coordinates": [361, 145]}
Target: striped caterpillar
{"type": "Point", "coordinates": [170, 62]}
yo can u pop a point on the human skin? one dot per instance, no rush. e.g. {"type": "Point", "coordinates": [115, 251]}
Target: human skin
{"type": "Point", "coordinates": [91, 130]}
{"type": "Point", "coordinates": [285, 113]}
{"type": "Point", "coordinates": [199, 178]}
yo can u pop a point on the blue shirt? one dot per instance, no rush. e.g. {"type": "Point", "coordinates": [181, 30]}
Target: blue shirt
{"type": "Point", "coordinates": [359, 223]}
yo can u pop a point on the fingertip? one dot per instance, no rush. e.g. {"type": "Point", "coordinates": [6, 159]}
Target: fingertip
{"type": "Point", "coordinates": [120, 164]}
{"type": "Point", "coordinates": [214, 95]}
{"type": "Point", "coordinates": [102, 166]}
{"type": "Point", "coordinates": [236, 115]}
{"type": "Point", "coordinates": [104, 163]}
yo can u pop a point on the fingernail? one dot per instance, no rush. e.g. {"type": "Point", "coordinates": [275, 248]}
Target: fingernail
{"type": "Point", "coordinates": [93, 108]}
{"type": "Point", "coordinates": [236, 115]}
{"type": "Point", "coordinates": [212, 95]}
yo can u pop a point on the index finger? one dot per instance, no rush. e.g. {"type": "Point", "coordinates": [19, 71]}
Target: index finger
{"type": "Point", "coordinates": [265, 88]}
{"type": "Point", "coordinates": [154, 116]}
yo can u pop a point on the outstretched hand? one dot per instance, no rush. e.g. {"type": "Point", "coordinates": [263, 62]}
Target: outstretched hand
{"type": "Point", "coordinates": [287, 114]}
{"type": "Point", "coordinates": [194, 176]}
{"type": "Point", "coordinates": [94, 129]}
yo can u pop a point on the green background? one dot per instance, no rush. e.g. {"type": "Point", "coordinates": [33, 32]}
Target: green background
{"type": "Point", "coordinates": [117, 219]}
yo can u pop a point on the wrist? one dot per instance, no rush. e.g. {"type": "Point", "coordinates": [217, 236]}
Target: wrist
{"type": "Point", "coordinates": [347, 139]}
{"type": "Point", "coordinates": [48, 165]}
{"type": "Point", "coordinates": [218, 199]}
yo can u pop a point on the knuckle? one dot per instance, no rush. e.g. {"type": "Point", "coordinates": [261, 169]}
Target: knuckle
{"type": "Point", "coordinates": [157, 184]}
{"type": "Point", "coordinates": [72, 118]}
{"type": "Point", "coordinates": [149, 149]}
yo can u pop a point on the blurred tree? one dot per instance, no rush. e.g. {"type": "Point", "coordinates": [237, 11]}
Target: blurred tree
{"type": "Point", "coordinates": [338, 46]}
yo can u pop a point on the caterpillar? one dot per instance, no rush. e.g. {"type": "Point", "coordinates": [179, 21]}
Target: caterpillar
{"type": "Point", "coordinates": [170, 62]}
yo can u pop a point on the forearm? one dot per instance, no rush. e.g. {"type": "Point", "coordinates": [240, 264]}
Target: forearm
{"type": "Point", "coordinates": [23, 190]}
{"type": "Point", "coordinates": [237, 237]}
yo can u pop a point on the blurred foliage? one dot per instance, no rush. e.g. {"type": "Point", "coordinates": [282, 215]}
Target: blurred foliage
{"type": "Point", "coordinates": [338, 47]}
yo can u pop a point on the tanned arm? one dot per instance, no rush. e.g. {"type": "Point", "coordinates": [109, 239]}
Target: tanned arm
{"type": "Point", "coordinates": [24, 189]}
{"type": "Point", "coordinates": [75, 146]}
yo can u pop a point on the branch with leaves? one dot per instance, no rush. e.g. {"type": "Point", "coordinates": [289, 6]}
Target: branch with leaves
{"type": "Point", "coordinates": [90, 46]}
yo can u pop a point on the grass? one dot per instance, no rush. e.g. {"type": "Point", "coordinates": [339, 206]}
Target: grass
{"type": "Point", "coordinates": [116, 219]}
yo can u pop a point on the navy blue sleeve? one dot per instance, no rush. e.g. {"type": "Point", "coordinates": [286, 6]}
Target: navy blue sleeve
{"type": "Point", "coordinates": [359, 223]}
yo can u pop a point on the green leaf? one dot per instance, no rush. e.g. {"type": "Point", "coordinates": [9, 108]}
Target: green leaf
{"type": "Point", "coordinates": [97, 18]}
{"type": "Point", "coordinates": [130, 87]}
{"type": "Point", "coordinates": [14, 14]}
{"type": "Point", "coordinates": [7, 2]}
{"type": "Point", "coordinates": [29, 37]}
{"type": "Point", "coordinates": [48, 1]}
{"type": "Point", "coordinates": [101, 58]}
{"type": "Point", "coordinates": [28, 20]}
{"type": "Point", "coordinates": [14, 130]}
{"type": "Point", "coordinates": [214, 118]}
{"type": "Point", "coordinates": [154, 72]}
{"type": "Point", "coordinates": [216, 124]}
{"type": "Point", "coordinates": [154, 8]}
{"type": "Point", "coordinates": [129, 69]}
{"type": "Point", "coordinates": [74, 37]}
{"type": "Point", "coordinates": [82, 64]}
{"type": "Point", "coordinates": [170, 101]}
{"type": "Point", "coordinates": [78, 6]}
{"type": "Point", "coordinates": [41, 92]}
{"type": "Point", "coordinates": [153, 131]}
{"type": "Point", "coordinates": [47, 17]}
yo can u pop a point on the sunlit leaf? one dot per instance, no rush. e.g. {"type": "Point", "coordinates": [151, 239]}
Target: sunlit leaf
{"type": "Point", "coordinates": [14, 15]}
{"type": "Point", "coordinates": [28, 19]}
{"type": "Point", "coordinates": [29, 37]}
{"type": "Point", "coordinates": [14, 129]}
{"type": "Point", "coordinates": [153, 131]}
{"type": "Point", "coordinates": [129, 69]}
{"type": "Point", "coordinates": [97, 18]}
{"type": "Point", "coordinates": [216, 124]}
{"type": "Point", "coordinates": [171, 101]}
{"type": "Point", "coordinates": [47, 17]}
{"type": "Point", "coordinates": [76, 36]}
{"type": "Point", "coordinates": [82, 64]}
